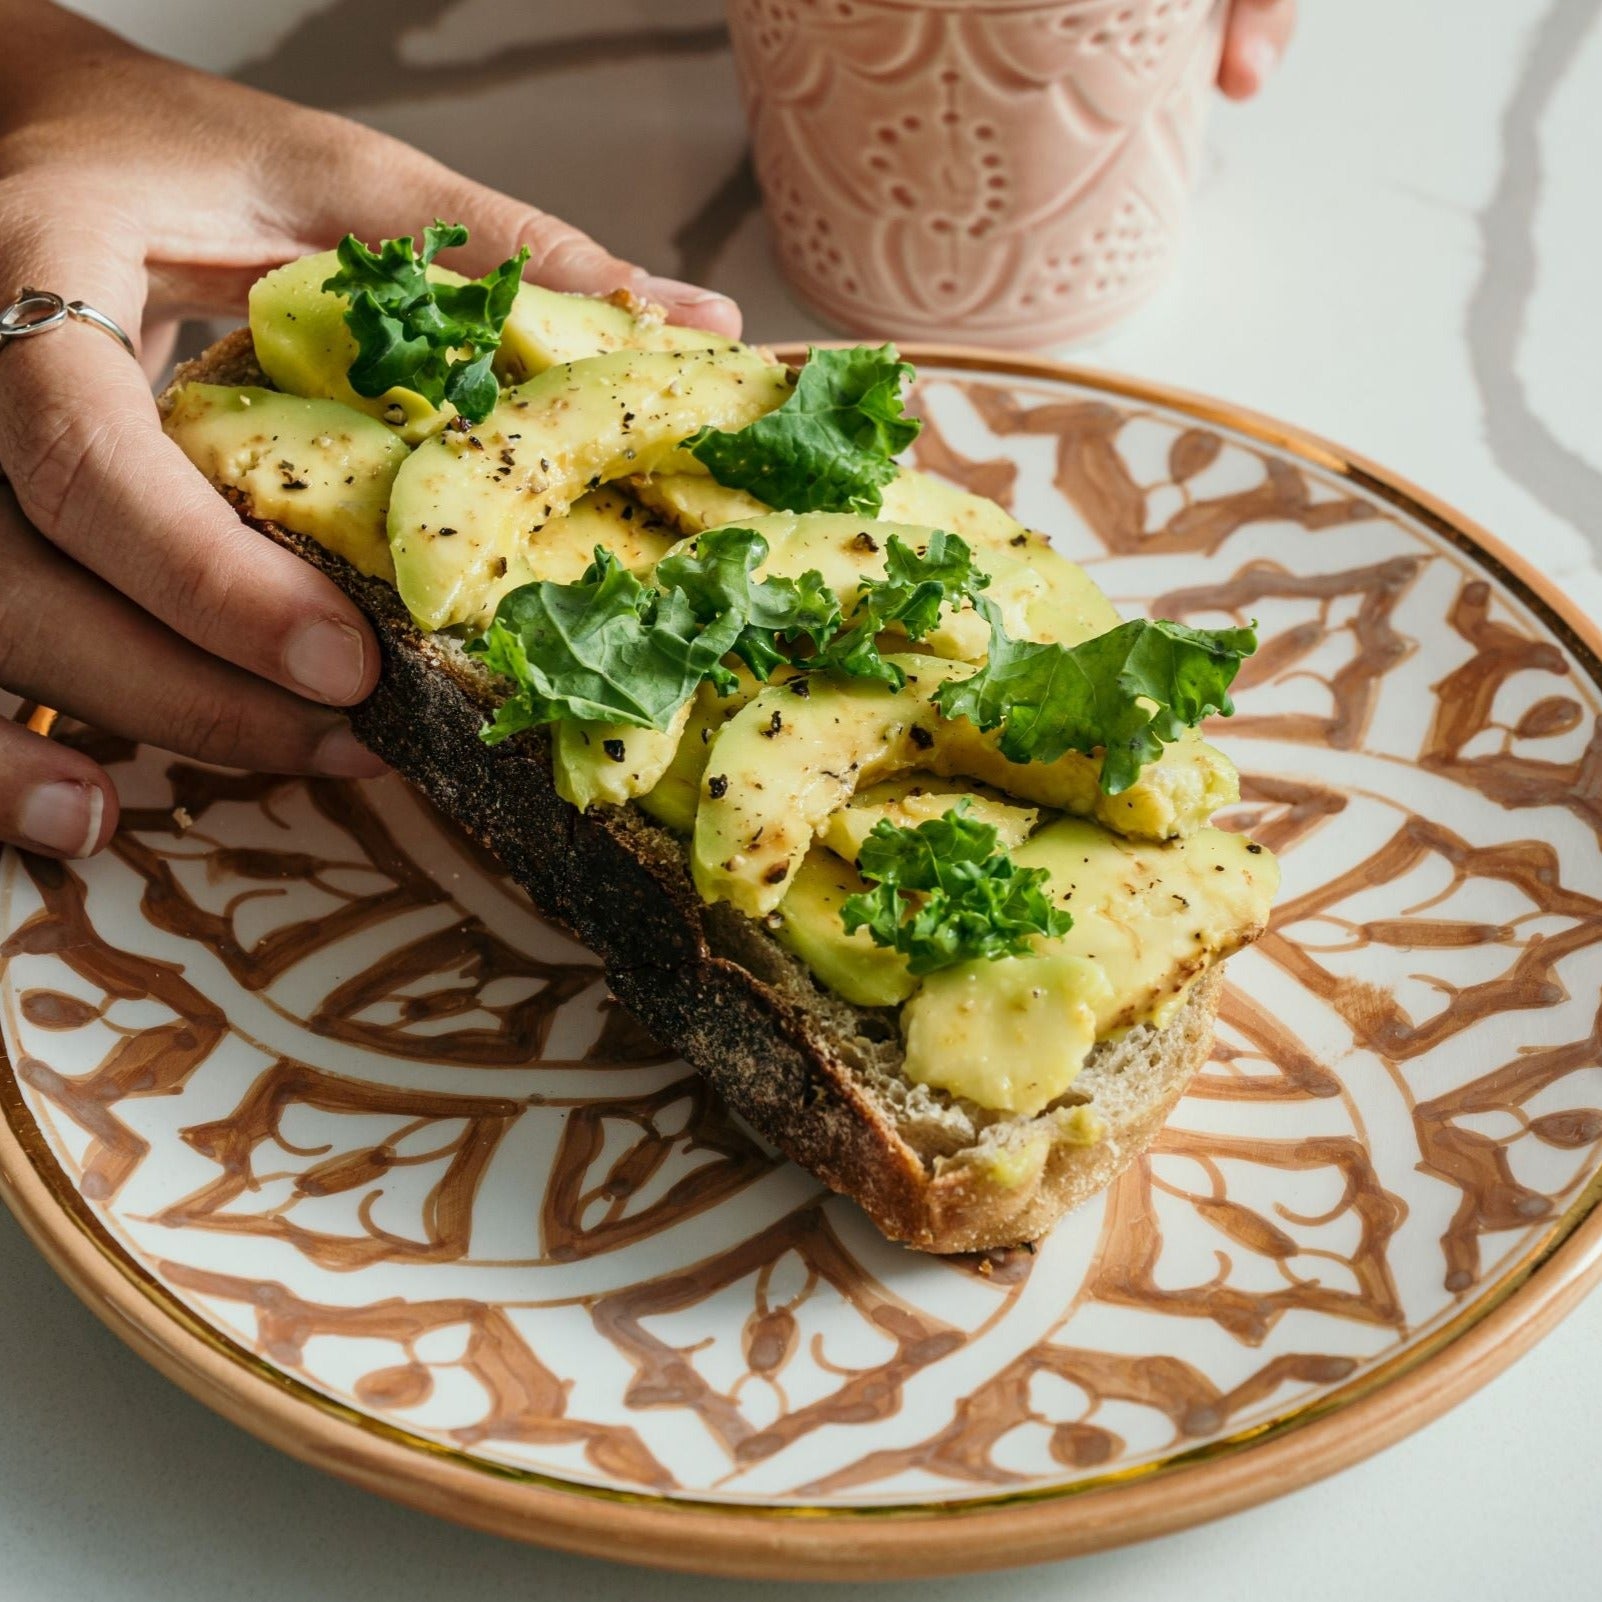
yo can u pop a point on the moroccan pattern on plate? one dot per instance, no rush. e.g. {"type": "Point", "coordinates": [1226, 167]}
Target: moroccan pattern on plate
{"type": "Point", "coordinates": [321, 1074]}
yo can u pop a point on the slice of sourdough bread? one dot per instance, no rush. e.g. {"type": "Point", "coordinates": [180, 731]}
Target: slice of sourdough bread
{"type": "Point", "coordinates": [817, 1077]}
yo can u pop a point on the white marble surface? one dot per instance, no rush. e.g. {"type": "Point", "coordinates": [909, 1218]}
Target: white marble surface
{"type": "Point", "coordinates": [1397, 247]}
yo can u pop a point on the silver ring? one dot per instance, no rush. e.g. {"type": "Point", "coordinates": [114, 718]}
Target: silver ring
{"type": "Point", "coordinates": [37, 311]}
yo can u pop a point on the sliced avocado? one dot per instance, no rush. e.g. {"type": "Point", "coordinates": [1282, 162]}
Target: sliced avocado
{"type": "Point", "coordinates": [847, 550]}
{"type": "Point", "coordinates": [563, 550]}
{"type": "Point", "coordinates": [807, 922]}
{"type": "Point", "coordinates": [785, 762]}
{"type": "Point", "coordinates": [304, 347]}
{"type": "Point", "coordinates": [565, 547]}
{"type": "Point", "coordinates": [1043, 596]}
{"type": "Point", "coordinates": [612, 762]}
{"type": "Point", "coordinates": [1068, 606]}
{"type": "Point", "coordinates": [916, 798]}
{"type": "Point", "coordinates": [843, 548]}
{"type": "Point", "coordinates": [314, 466]}
{"type": "Point", "coordinates": [1149, 918]}
{"type": "Point", "coordinates": [673, 800]}
{"type": "Point", "coordinates": [1152, 914]}
{"type": "Point", "coordinates": [1071, 607]}
{"type": "Point", "coordinates": [467, 500]}
{"type": "Point", "coordinates": [695, 502]}
{"type": "Point", "coordinates": [1174, 795]}
{"type": "Point", "coordinates": [914, 497]}
{"type": "Point", "coordinates": [546, 328]}
{"type": "Point", "coordinates": [1010, 1035]}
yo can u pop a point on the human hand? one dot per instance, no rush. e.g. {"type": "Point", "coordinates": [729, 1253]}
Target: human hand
{"type": "Point", "coordinates": [134, 598]}
{"type": "Point", "coordinates": [1255, 37]}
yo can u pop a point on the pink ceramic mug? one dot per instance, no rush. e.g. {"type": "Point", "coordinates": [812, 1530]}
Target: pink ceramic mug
{"type": "Point", "coordinates": [1012, 172]}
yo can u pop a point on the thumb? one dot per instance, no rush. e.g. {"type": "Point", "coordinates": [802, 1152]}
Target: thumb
{"type": "Point", "coordinates": [413, 191]}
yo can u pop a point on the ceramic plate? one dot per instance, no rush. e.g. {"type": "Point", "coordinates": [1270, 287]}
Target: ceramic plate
{"type": "Point", "coordinates": [311, 1108]}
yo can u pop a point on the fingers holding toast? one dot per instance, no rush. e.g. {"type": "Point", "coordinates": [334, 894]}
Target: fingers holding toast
{"type": "Point", "coordinates": [82, 446]}
{"type": "Point", "coordinates": [71, 642]}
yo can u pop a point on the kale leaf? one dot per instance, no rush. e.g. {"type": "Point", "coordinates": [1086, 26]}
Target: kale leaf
{"type": "Point", "coordinates": [607, 648]}
{"type": "Point", "coordinates": [415, 333]}
{"type": "Point", "coordinates": [715, 576]}
{"type": "Point", "coordinates": [918, 584]}
{"type": "Point", "coordinates": [1127, 692]}
{"type": "Point", "coordinates": [943, 894]}
{"type": "Point", "coordinates": [829, 447]}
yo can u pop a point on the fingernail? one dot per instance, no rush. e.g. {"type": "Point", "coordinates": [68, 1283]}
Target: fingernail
{"type": "Point", "coordinates": [327, 660]}
{"type": "Point", "coordinates": [679, 292]}
{"type": "Point", "coordinates": [63, 816]}
{"type": "Point", "coordinates": [342, 756]}
{"type": "Point", "coordinates": [1259, 56]}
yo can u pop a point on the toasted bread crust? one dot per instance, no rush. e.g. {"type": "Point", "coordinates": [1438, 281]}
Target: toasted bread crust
{"type": "Point", "coordinates": [787, 1057]}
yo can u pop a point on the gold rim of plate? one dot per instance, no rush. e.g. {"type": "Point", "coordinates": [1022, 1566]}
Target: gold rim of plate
{"type": "Point", "coordinates": [905, 1540]}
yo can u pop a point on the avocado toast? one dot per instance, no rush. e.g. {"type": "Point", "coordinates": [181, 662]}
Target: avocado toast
{"type": "Point", "coordinates": [868, 801]}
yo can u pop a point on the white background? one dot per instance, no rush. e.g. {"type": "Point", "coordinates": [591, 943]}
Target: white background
{"type": "Point", "coordinates": [1398, 247]}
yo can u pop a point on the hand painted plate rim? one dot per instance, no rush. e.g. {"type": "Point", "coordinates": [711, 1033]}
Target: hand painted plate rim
{"type": "Point", "coordinates": [792, 1542]}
